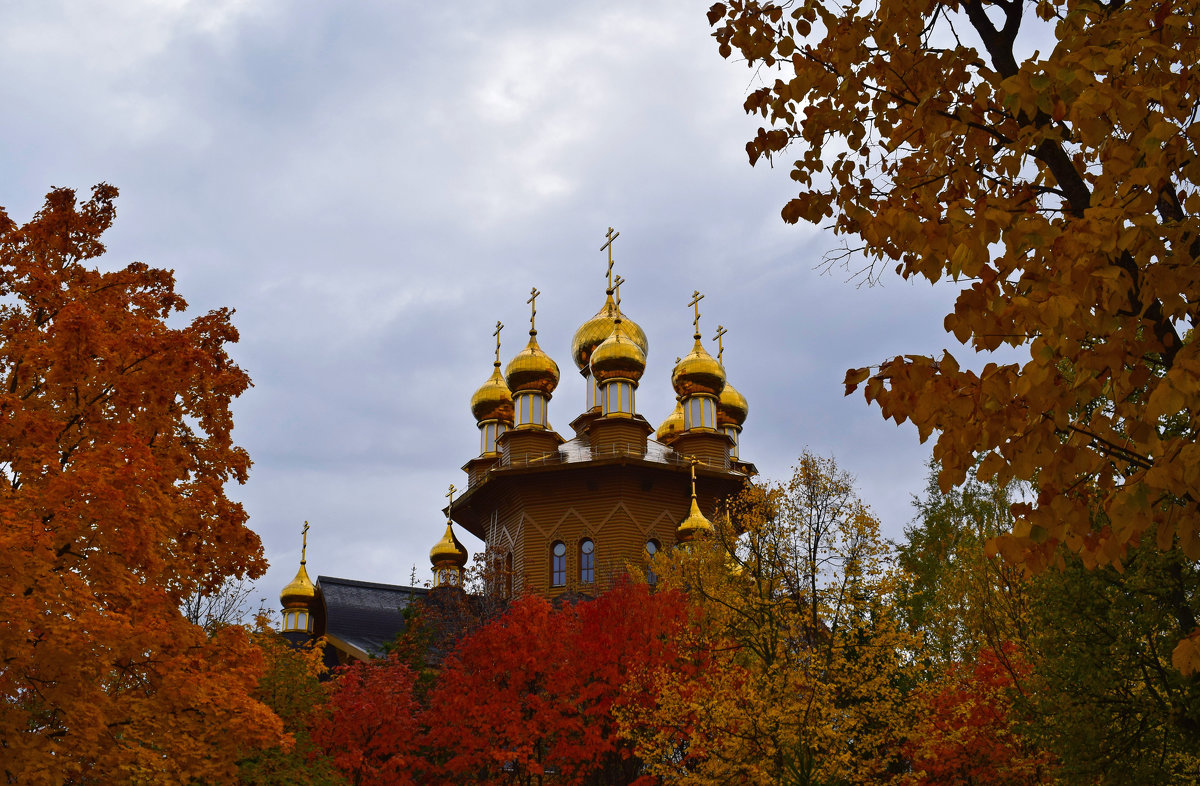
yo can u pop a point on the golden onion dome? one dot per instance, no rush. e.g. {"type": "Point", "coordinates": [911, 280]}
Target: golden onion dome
{"type": "Point", "coordinates": [448, 549]}
{"type": "Point", "coordinates": [596, 330]}
{"type": "Point", "coordinates": [618, 357]}
{"type": "Point", "coordinates": [732, 407]}
{"type": "Point", "coordinates": [532, 369]}
{"type": "Point", "coordinates": [299, 590]}
{"type": "Point", "coordinates": [698, 372]}
{"type": "Point", "coordinates": [673, 425]}
{"type": "Point", "coordinates": [493, 400]}
{"type": "Point", "coordinates": [694, 524]}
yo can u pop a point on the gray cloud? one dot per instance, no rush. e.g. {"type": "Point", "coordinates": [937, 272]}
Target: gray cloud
{"type": "Point", "coordinates": [372, 185]}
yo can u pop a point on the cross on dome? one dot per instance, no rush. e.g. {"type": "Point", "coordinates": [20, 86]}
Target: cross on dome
{"type": "Point", "coordinates": [533, 294]}
{"type": "Point", "coordinates": [721, 331]}
{"type": "Point", "coordinates": [608, 246]}
{"type": "Point", "coordinates": [695, 302]}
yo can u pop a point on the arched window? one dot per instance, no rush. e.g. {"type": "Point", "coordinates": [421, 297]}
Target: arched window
{"type": "Point", "coordinates": [587, 561]}
{"type": "Point", "coordinates": [651, 550]}
{"type": "Point", "coordinates": [558, 564]}
{"type": "Point", "coordinates": [508, 575]}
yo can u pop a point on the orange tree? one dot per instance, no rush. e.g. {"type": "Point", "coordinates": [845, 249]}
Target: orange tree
{"type": "Point", "coordinates": [115, 449]}
{"type": "Point", "coordinates": [1043, 158]}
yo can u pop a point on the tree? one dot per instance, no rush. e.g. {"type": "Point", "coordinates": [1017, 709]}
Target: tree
{"type": "Point", "coordinates": [371, 730]}
{"type": "Point", "coordinates": [1059, 190]}
{"type": "Point", "coordinates": [115, 448]}
{"type": "Point", "coordinates": [957, 596]}
{"type": "Point", "coordinates": [534, 696]}
{"type": "Point", "coordinates": [292, 686]}
{"type": "Point", "coordinates": [797, 600]}
{"type": "Point", "coordinates": [1102, 694]}
{"type": "Point", "coordinates": [966, 732]}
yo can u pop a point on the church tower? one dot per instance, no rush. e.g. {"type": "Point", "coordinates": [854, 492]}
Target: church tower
{"type": "Point", "coordinates": [568, 516]}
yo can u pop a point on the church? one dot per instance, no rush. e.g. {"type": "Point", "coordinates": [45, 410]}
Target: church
{"type": "Point", "coordinates": [561, 517]}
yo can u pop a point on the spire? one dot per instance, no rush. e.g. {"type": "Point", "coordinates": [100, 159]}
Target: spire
{"type": "Point", "coordinates": [297, 596]}
{"type": "Point", "coordinates": [448, 556]}
{"type": "Point", "coordinates": [695, 522]}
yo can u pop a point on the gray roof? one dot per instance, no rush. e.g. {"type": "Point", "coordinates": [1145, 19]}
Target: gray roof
{"type": "Point", "coordinates": [363, 614]}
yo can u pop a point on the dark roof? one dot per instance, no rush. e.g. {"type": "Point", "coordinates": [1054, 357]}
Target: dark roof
{"type": "Point", "coordinates": [365, 615]}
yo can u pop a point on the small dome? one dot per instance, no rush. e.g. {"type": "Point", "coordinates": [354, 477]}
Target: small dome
{"type": "Point", "coordinates": [448, 549]}
{"type": "Point", "coordinates": [493, 401]}
{"type": "Point", "coordinates": [532, 369]}
{"type": "Point", "coordinates": [619, 357]}
{"type": "Point", "coordinates": [694, 524]}
{"type": "Point", "coordinates": [732, 407]}
{"type": "Point", "coordinates": [300, 590]}
{"type": "Point", "coordinates": [698, 372]}
{"type": "Point", "coordinates": [672, 426]}
{"type": "Point", "coordinates": [596, 330]}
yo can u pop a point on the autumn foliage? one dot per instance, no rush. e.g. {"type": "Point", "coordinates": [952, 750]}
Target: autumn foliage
{"type": "Point", "coordinates": [1043, 159]}
{"type": "Point", "coordinates": [967, 733]}
{"type": "Point", "coordinates": [115, 449]}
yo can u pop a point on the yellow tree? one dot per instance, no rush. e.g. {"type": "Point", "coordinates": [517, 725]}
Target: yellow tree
{"type": "Point", "coordinates": [1043, 158]}
{"type": "Point", "coordinates": [805, 646]}
{"type": "Point", "coordinates": [115, 447]}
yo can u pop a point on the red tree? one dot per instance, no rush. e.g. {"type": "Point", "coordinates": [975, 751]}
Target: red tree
{"type": "Point", "coordinates": [533, 695]}
{"type": "Point", "coordinates": [965, 733]}
{"type": "Point", "coordinates": [371, 730]}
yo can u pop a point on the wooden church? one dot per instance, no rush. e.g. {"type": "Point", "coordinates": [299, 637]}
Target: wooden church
{"type": "Point", "coordinates": [560, 516]}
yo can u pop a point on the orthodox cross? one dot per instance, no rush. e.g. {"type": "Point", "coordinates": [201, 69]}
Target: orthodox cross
{"type": "Point", "coordinates": [304, 543]}
{"type": "Point", "coordinates": [721, 331]}
{"type": "Point", "coordinates": [695, 302]}
{"type": "Point", "coordinates": [533, 293]}
{"type": "Point", "coordinates": [608, 246]}
{"type": "Point", "coordinates": [499, 327]}
{"type": "Point", "coordinates": [693, 461]}
{"type": "Point", "coordinates": [616, 285]}
{"type": "Point", "coordinates": [450, 496]}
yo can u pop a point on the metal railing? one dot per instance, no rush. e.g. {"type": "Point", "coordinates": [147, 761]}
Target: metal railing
{"type": "Point", "coordinates": [598, 453]}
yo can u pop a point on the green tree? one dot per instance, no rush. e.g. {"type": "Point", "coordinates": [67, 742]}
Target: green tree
{"type": "Point", "coordinates": [1103, 694]}
{"type": "Point", "coordinates": [1057, 185]}
{"type": "Point", "coordinates": [957, 597]}
{"type": "Point", "coordinates": [292, 686]}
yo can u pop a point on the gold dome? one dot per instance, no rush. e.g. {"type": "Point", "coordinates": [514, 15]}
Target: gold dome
{"type": "Point", "coordinates": [300, 591]}
{"type": "Point", "coordinates": [618, 357]}
{"type": "Point", "coordinates": [532, 369]}
{"type": "Point", "coordinates": [693, 525]}
{"type": "Point", "coordinates": [698, 372]}
{"type": "Point", "coordinates": [448, 549]}
{"type": "Point", "coordinates": [732, 407]}
{"type": "Point", "coordinates": [596, 330]}
{"type": "Point", "coordinates": [493, 400]}
{"type": "Point", "coordinates": [673, 425]}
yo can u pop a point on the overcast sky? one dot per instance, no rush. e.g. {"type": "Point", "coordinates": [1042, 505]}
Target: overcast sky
{"type": "Point", "coordinates": [371, 185]}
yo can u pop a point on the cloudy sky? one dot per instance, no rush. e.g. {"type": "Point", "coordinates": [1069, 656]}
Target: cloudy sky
{"type": "Point", "coordinates": [372, 184]}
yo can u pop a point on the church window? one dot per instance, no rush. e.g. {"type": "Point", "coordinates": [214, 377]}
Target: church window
{"type": "Point", "coordinates": [651, 550]}
{"type": "Point", "coordinates": [488, 434]}
{"type": "Point", "coordinates": [530, 409]}
{"type": "Point", "coordinates": [700, 412]}
{"type": "Point", "coordinates": [593, 392]}
{"type": "Point", "coordinates": [618, 397]}
{"type": "Point", "coordinates": [558, 564]}
{"type": "Point", "coordinates": [587, 561]}
{"type": "Point", "coordinates": [508, 575]}
{"type": "Point", "coordinates": [733, 449]}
